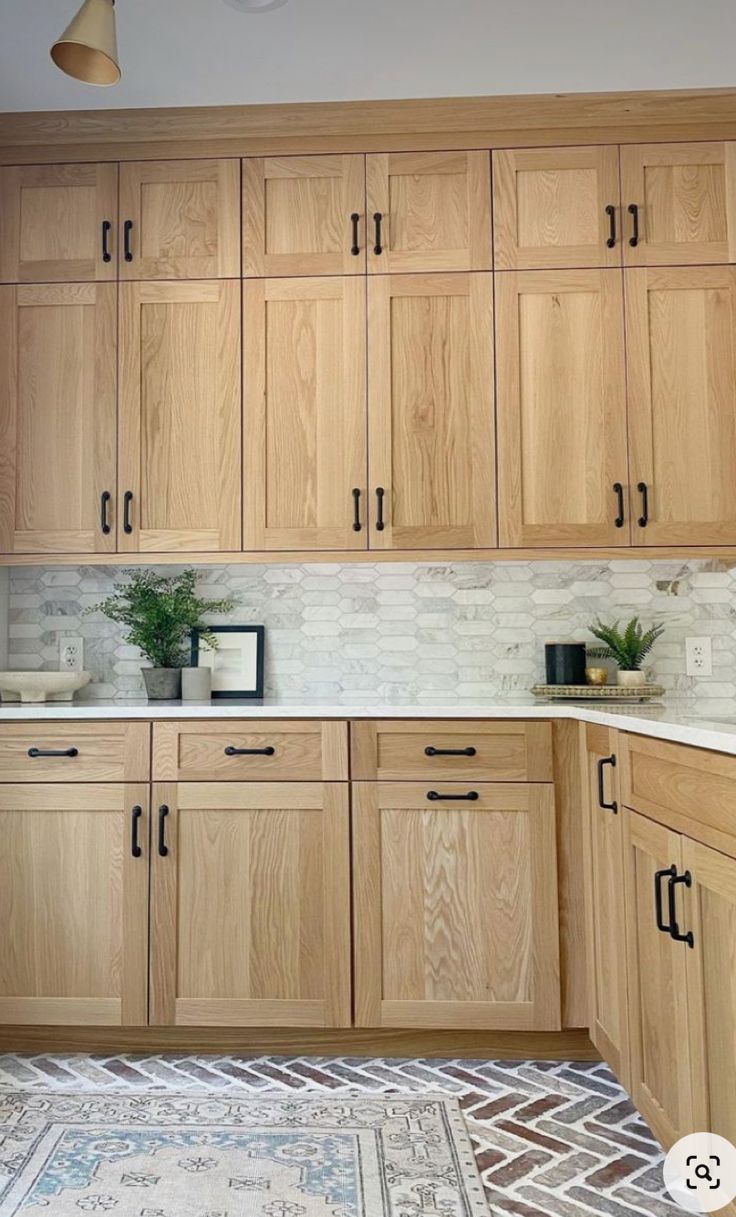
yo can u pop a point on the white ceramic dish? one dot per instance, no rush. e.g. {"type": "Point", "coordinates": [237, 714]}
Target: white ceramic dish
{"type": "Point", "coordinates": [41, 686]}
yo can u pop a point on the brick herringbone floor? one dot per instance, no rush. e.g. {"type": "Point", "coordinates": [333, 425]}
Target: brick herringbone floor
{"type": "Point", "coordinates": [553, 1139]}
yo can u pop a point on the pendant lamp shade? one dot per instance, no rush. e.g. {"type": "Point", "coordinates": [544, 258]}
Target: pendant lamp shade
{"type": "Point", "coordinates": [88, 48]}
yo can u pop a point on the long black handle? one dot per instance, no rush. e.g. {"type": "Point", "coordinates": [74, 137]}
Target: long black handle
{"type": "Point", "coordinates": [618, 490]}
{"type": "Point", "coordinates": [163, 849]}
{"type": "Point", "coordinates": [377, 218]}
{"type": "Point", "coordinates": [611, 213]}
{"type": "Point", "coordinates": [644, 492]}
{"type": "Point", "coordinates": [35, 752]}
{"type": "Point", "coordinates": [634, 213]}
{"type": "Point", "coordinates": [668, 873]}
{"type": "Point", "coordinates": [380, 492]}
{"type": "Point", "coordinates": [613, 805]}
{"type": "Point", "coordinates": [127, 500]}
{"type": "Point", "coordinates": [106, 255]}
{"type": "Point", "coordinates": [355, 247]}
{"type": "Point", "coordinates": [127, 251]}
{"type": "Point", "coordinates": [135, 847]}
{"type": "Point", "coordinates": [431, 751]}
{"type": "Point", "coordinates": [232, 751]}
{"type": "Point", "coordinates": [356, 510]}
{"type": "Point", "coordinates": [470, 797]}
{"type": "Point", "coordinates": [104, 503]}
{"type": "Point", "coordinates": [675, 932]}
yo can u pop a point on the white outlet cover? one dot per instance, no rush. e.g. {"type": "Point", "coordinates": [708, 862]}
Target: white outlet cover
{"type": "Point", "coordinates": [698, 657]}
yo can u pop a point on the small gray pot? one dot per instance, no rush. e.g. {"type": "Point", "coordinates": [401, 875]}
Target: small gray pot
{"type": "Point", "coordinates": [162, 684]}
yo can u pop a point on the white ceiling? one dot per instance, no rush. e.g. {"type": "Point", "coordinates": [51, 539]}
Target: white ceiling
{"type": "Point", "coordinates": [201, 52]}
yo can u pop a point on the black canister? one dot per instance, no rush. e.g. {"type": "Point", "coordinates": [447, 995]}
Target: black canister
{"type": "Point", "coordinates": [565, 663]}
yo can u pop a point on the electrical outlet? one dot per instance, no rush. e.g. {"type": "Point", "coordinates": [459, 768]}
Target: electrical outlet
{"type": "Point", "coordinates": [698, 657]}
{"type": "Point", "coordinates": [71, 654]}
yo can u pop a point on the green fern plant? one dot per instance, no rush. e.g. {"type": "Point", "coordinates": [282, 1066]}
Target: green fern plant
{"type": "Point", "coordinates": [628, 647]}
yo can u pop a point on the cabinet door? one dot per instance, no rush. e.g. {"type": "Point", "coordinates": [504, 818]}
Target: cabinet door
{"type": "Point", "coordinates": [656, 966]}
{"type": "Point", "coordinates": [430, 412]}
{"type": "Point", "coordinates": [251, 905]}
{"type": "Point", "coordinates": [74, 905]}
{"type": "Point", "coordinates": [58, 417]}
{"type": "Point", "coordinates": [305, 414]}
{"type": "Point", "coordinates": [300, 215]}
{"type": "Point", "coordinates": [179, 419]}
{"type": "Point", "coordinates": [556, 208]}
{"type": "Point", "coordinates": [58, 223]}
{"type": "Point", "coordinates": [455, 906]}
{"type": "Point", "coordinates": [428, 211]}
{"type": "Point", "coordinates": [603, 856]}
{"type": "Point", "coordinates": [180, 220]}
{"type": "Point", "coordinates": [685, 200]}
{"type": "Point", "coordinates": [561, 408]}
{"type": "Point", "coordinates": [681, 354]}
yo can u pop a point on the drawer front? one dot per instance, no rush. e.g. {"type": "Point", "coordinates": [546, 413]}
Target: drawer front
{"type": "Point", "coordinates": [447, 750]}
{"type": "Point", "coordinates": [74, 752]}
{"type": "Point", "coordinates": [250, 751]}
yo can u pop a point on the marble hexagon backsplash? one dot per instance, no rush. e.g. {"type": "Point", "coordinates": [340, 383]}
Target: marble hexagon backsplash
{"type": "Point", "coordinates": [401, 632]}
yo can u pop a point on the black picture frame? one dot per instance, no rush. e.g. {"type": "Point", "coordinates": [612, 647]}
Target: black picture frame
{"type": "Point", "coordinates": [254, 694]}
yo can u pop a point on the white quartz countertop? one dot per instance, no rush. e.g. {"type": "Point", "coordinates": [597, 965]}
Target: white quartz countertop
{"type": "Point", "coordinates": [659, 720]}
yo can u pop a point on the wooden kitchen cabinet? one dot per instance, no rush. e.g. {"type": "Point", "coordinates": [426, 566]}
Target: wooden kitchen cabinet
{"type": "Point", "coordinates": [456, 922]}
{"type": "Point", "coordinates": [304, 407]}
{"type": "Point", "coordinates": [561, 406]}
{"type": "Point", "coordinates": [58, 412]}
{"type": "Point", "coordinates": [74, 904]}
{"type": "Point", "coordinates": [179, 420]}
{"type": "Point", "coordinates": [431, 441]}
{"type": "Point", "coordinates": [251, 905]}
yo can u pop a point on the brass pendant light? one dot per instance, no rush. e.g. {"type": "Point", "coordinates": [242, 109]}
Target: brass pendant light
{"type": "Point", "coordinates": [88, 48]}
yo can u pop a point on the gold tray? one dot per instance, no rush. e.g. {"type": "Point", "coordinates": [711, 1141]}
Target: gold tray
{"type": "Point", "coordinates": [615, 693]}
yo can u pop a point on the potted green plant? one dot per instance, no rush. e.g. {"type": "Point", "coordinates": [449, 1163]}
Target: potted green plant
{"type": "Point", "coordinates": [160, 613]}
{"type": "Point", "coordinates": [629, 647]}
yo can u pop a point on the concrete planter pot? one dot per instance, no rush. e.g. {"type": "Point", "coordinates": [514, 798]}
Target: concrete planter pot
{"type": "Point", "coordinates": [631, 680]}
{"type": "Point", "coordinates": [162, 684]}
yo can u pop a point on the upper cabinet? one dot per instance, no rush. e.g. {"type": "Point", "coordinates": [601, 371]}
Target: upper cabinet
{"type": "Point", "coordinates": [556, 208]}
{"type": "Point", "coordinates": [180, 220]}
{"type": "Point", "coordinates": [428, 211]}
{"type": "Point", "coordinates": [304, 215]}
{"type": "Point", "coordinates": [680, 203]}
{"type": "Point", "coordinates": [58, 223]}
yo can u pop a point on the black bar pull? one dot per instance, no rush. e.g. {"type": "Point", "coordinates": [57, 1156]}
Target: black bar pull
{"type": "Point", "coordinates": [163, 849]}
{"type": "Point", "coordinates": [355, 247]}
{"type": "Point", "coordinates": [127, 251]}
{"type": "Point", "coordinates": [604, 806]}
{"type": "Point", "coordinates": [127, 500]}
{"type": "Point", "coordinates": [380, 492]}
{"type": "Point", "coordinates": [104, 503]}
{"type": "Point", "coordinates": [675, 932]}
{"type": "Point", "coordinates": [611, 213]}
{"type": "Point", "coordinates": [618, 490]}
{"type": "Point", "coordinates": [377, 218]}
{"type": "Point", "coordinates": [644, 492]}
{"type": "Point", "coordinates": [232, 751]}
{"type": "Point", "coordinates": [634, 213]}
{"type": "Point", "coordinates": [431, 751]}
{"type": "Point", "coordinates": [35, 752]}
{"type": "Point", "coordinates": [669, 872]}
{"type": "Point", "coordinates": [106, 255]}
{"type": "Point", "coordinates": [470, 797]}
{"type": "Point", "coordinates": [357, 526]}
{"type": "Point", "coordinates": [135, 847]}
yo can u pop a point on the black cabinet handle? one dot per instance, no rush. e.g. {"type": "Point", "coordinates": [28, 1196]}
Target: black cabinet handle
{"type": "Point", "coordinates": [355, 248]}
{"type": "Point", "coordinates": [106, 255]}
{"type": "Point", "coordinates": [357, 526]}
{"type": "Point", "coordinates": [104, 503]}
{"type": "Point", "coordinates": [668, 873]}
{"type": "Point", "coordinates": [127, 229]}
{"type": "Point", "coordinates": [675, 932]}
{"type": "Point", "coordinates": [127, 500]}
{"type": "Point", "coordinates": [604, 806]}
{"type": "Point", "coordinates": [380, 492]}
{"type": "Point", "coordinates": [634, 213]}
{"type": "Point", "coordinates": [231, 751]}
{"type": "Point", "coordinates": [431, 751]}
{"type": "Point", "coordinates": [135, 847]}
{"type": "Point", "coordinates": [644, 492]}
{"type": "Point", "coordinates": [163, 849]}
{"type": "Point", "coordinates": [618, 490]}
{"type": "Point", "coordinates": [611, 213]}
{"type": "Point", "coordinates": [35, 752]}
{"type": "Point", "coordinates": [378, 247]}
{"type": "Point", "coordinates": [470, 797]}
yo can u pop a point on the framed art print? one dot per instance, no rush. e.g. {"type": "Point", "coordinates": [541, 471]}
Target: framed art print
{"type": "Point", "coordinates": [237, 664]}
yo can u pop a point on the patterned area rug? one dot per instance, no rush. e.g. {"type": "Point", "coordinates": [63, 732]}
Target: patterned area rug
{"type": "Point", "coordinates": [155, 1155]}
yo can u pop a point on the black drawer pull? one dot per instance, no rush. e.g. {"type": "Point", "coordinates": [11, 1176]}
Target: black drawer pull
{"type": "Point", "coordinates": [127, 500]}
{"type": "Point", "coordinates": [357, 526]}
{"type": "Point", "coordinates": [611, 213]}
{"type": "Point", "coordinates": [644, 492]}
{"type": "Point", "coordinates": [669, 872]}
{"type": "Point", "coordinates": [604, 806]}
{"type": "Point", "coordinates": [231, 751]}
{"type": "Point", "coordinates": [163, 849]}
{"type": "Point", "coordinates": [380, 492]}
{"type": "Point", "coordinates": [634, 213]}
{"type": "Point", "coordinates": [106, 255]}
{"type": "Point", "coordinates": [135, 847]}
{"type": "Point", "coordinates": [127, 229]}
{"type": "Point", "coordinates": [34, 752]}
{"type": "Point", "coordinates": [104, 522]}
{"type": "Point", "coordinates": [355, 247]}
{"type": "Point", "coordinates": [471, 797]}
{"type": "Point", "coordinates": [377, 218]}
{"type": "Point", "coordinates": [618, 490]}
{"type": "Point", "coordinates": [431, 751]}
{"type": "Point", "coordinates": [675, 932]}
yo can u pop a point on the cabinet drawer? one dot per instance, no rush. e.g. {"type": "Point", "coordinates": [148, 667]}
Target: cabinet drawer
{"type": "Point", "coordinates": [74, 752]}
{"type": "Point", "coordinates": [250, 751]}
{"type": "Point", "coordinates": [477, 751]}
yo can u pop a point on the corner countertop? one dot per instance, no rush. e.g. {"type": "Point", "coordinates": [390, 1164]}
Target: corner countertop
{"type": "Point", "coordinates": [663, 721]}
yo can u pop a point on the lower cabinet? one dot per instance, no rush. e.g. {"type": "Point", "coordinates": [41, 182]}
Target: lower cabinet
{"type": "Point", "coordinates": [456, 919]}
